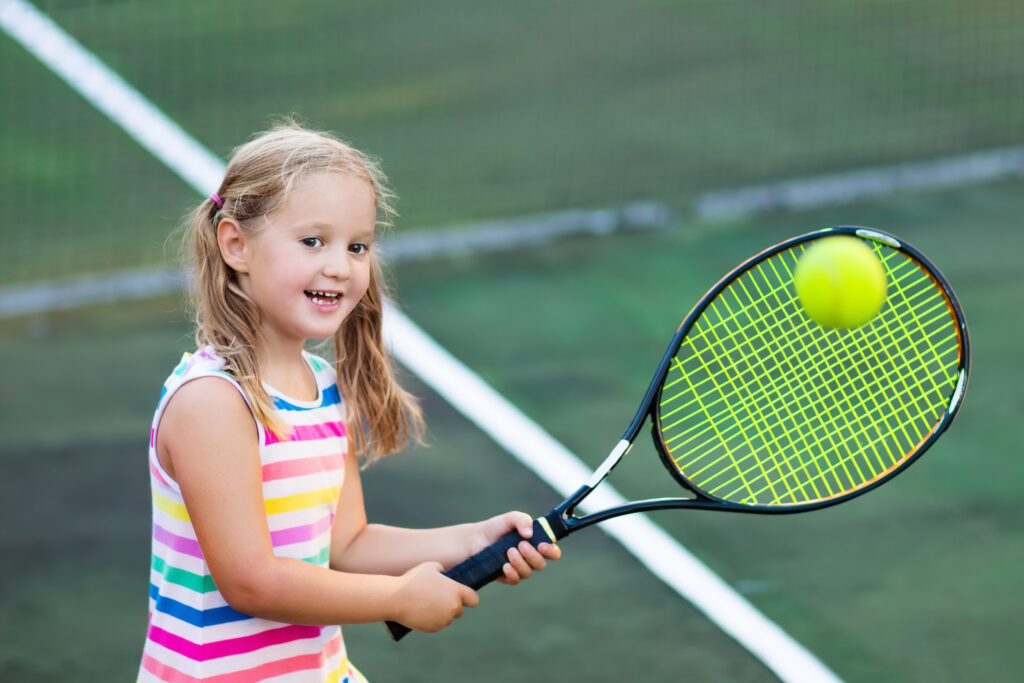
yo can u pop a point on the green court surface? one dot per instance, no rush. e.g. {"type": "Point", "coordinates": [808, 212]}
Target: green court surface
{"type": "Point", "coordinates": [916, 581]}
{"type": "Point", "coordinates": [482, 111]}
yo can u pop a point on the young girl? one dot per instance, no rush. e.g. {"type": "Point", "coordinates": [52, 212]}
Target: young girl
{"type": "Point", "coordinates": [260, 540]}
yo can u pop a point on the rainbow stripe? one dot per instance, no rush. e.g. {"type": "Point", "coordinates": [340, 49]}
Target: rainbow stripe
{"type": "Point", "coordinates": [194, 635]}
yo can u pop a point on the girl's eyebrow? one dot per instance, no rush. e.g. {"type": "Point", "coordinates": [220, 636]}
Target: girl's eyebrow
{"type": "Point", "coordinates": [315, 225]}
{"type": "Point", "coordinates": [318, 226]}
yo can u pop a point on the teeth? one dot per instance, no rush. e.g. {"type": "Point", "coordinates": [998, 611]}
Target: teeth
{"type": "Point", "coordinates": [319, 297]}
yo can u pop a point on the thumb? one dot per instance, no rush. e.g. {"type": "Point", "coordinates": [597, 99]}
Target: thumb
{"type": "Point", "coordinates": [470, 598]}
{"type": "Point", "coordinates": [522, 522]}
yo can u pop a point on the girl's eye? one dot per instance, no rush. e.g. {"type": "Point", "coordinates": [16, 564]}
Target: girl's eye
{"type": "Point", "coordinates": [311, 242]}
{"type": "Point", "coordinates": [359, 248]}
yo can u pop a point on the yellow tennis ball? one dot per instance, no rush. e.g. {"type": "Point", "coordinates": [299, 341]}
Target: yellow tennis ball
{"type": "Point", "coordinates": [840, 282]}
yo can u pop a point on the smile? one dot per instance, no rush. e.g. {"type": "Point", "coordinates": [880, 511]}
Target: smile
{"type": "Point", "coordinates": [323, 298]}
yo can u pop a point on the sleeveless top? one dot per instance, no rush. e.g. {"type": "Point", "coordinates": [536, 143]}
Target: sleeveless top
{"type": "Point", "coordinates": [193, 634]}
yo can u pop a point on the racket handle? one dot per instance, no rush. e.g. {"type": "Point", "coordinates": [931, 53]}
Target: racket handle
{"type": "Point", "coordinates": [484, 567]}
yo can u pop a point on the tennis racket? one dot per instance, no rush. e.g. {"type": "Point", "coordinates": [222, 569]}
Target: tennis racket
{"type": "Point", "coordinates": [755, 408]}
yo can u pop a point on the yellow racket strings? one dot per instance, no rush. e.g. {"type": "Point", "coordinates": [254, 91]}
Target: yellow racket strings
{"type": "Point", "coordinates": [763, 406]}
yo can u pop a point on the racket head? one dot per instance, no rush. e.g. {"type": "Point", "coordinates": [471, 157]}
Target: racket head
{"type": "Point", "coordinates": [759, 409]}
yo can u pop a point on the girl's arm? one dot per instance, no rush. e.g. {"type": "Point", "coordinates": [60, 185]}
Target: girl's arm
{"type": "Point", "coordinates": [207, 441]}
{"type": "Point", "coordinates": [378, 549]}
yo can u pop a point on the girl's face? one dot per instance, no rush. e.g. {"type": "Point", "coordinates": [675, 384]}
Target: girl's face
{"type": "Point", "coordinates": [310, 265]}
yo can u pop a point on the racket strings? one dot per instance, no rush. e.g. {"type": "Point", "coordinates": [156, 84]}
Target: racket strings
{"type": "Point", "coordinates": [763, 406]}
{"type": "Point", "coordinates": [810, 385]}
{"type": "Point", "coordinates": [902, 401]}
{"type": "Point", "coordinates": [831, 465]}
{"type": "Point", "coordinates": [812, 480]}
{"type": "Point", "coordinates": [809, 380]}
{"type": "Point", "coordinates": [766, 388]}
{"type": "Point", "coordinates": [794, 315]}
{"type": "Point", "coordinates": [710, 379]}
{"type": "Point", "coordinates": [777, 466]}
{"type": "Point", "coordinates": [833, 424]}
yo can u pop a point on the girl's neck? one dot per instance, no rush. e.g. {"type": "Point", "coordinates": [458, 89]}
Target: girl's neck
{"type": "Point", "coordinates": [288, 372]}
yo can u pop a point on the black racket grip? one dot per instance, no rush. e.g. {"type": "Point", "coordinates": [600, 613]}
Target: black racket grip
{"type": "Point", "coordinates": [483, 568]}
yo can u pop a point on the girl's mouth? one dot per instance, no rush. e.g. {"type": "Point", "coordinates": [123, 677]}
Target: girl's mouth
{"type": "Point", "coordinates": [322, 298]}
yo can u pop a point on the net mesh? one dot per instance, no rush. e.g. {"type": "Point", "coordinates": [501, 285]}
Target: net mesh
{"type": "Point", "coordinates": [762, 406]}
{"type": "Point", "coordinates": [485, 110]}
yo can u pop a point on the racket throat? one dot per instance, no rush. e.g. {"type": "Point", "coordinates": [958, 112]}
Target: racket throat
{"type": "Point", "coordinates": [621, 448]}
{"type": "Point", "coordinates": [562, 519]}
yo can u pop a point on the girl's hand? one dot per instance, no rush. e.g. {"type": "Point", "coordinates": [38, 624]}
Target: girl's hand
{"type": "Point", "coordinates": [428, 601]}
{"type": "Point", "coordinates": [524, 559]}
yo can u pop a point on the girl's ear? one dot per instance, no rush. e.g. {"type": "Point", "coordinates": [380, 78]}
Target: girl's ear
{"type": "Point", "coordinates": [231, 241]}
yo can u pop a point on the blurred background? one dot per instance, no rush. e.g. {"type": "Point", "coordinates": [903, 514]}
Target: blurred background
{"type": "Point", "coordinates": [737, 124]}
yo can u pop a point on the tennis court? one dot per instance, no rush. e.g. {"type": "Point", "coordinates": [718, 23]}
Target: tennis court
{"type": "Point", "coordinates": [916, 581]}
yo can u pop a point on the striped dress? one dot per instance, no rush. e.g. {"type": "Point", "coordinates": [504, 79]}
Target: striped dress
{"type": "Point", "coordinates": [193, 634]}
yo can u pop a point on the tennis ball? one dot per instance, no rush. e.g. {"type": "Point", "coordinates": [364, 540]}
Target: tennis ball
{"type": "Point", "coordinates": [840, 282]}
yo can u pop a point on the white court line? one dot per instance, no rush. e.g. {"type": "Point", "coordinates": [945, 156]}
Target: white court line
{"type": "Point", "coordinates": [665, 557]}
{"type": "Point", "coordinates": [843, 188]}
{"type": "Point", "coordinates": [109, 93]}
{"type": "Point", "coordinates": [84, 290]}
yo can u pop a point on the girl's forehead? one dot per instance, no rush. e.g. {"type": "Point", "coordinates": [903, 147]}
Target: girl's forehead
{"type": "Point", "coordinates": [329, 196]}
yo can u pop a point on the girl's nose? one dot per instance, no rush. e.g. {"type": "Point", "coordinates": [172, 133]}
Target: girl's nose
{"type": "Point", "coordinates": [337, 265]}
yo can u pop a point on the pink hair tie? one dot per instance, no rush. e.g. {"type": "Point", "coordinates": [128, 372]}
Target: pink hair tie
{"type": "Point", "coordinates": [217, 200]}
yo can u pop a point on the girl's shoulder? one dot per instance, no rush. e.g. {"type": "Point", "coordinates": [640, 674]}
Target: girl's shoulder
{"type": "Point", "coordinates": [200, 363]}
{"type": "Point", "coordinates": [203, 362]}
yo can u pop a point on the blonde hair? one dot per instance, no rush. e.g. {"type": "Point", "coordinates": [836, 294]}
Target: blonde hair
{"type": "Point", "coordinates": [258, 179]}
